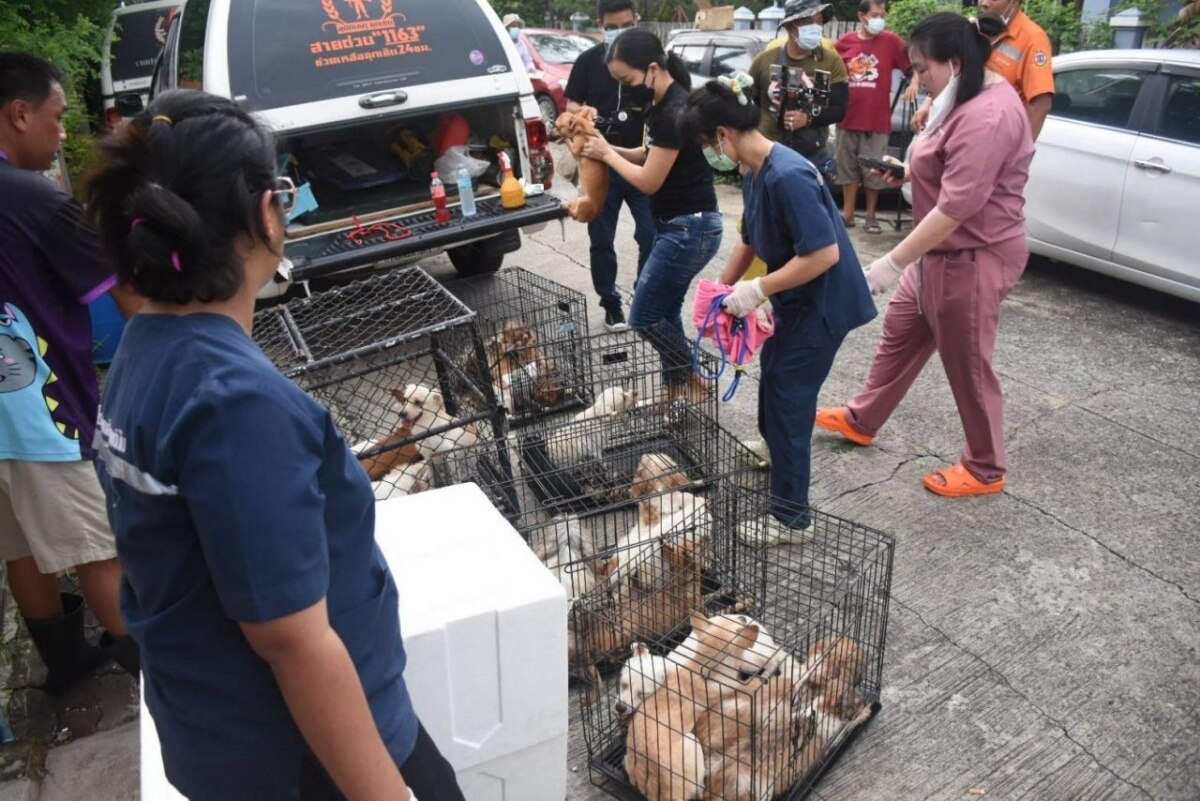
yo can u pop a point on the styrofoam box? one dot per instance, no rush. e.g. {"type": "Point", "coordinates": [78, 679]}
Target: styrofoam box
{"type": "Point", "coordinates": [485, 630]}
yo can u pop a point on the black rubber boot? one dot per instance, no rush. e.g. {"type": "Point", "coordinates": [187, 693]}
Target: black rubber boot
{"type": "Point", "coordinates": [60, 642]}
{"type": "Point", "coordinates": [124, 651]}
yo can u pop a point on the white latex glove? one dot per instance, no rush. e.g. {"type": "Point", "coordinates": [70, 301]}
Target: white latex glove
{"type": "Point", "coordinates": [882, 273]}
{"type": "Point", "coordinates": [744, 298]}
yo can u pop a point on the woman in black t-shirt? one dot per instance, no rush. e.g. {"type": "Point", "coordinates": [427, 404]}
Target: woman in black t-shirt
{"type": "Point", "coordinates": [679, 182]}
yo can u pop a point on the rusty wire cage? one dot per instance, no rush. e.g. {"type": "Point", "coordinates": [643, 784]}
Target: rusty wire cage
{"type": "Point", "coordinates": [534, 332]}
{"type": "Point", "coordinates": [398, 361]}
{"type": "Point", "coordinates": [743, 672]}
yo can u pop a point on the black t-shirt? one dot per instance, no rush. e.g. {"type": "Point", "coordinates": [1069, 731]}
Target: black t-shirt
{"type": "Point", "coordinates": [689, 185]}
{"type": "Point", "coordinates": [591, 84]}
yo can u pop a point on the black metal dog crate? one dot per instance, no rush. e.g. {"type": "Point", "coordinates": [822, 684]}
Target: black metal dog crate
{"type": "Point", "coordinates": [399, 363]}
{"type": "Point", "coordinates": [534, 331]}
{"type": "Point", "coordinates": [744, 672]}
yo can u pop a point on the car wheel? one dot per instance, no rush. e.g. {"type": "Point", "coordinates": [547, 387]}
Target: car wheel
{"type": "Point", "coordinates": [548, 108]}
{"type": "Point", "coordinates": [471, 259]}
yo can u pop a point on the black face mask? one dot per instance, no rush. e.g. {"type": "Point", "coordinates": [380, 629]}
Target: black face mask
{"type": "Point", "coordinates": [641, 95]}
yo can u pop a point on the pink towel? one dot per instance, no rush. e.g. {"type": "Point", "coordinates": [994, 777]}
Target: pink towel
{"type": "Point", "coordinates": [737, 339]}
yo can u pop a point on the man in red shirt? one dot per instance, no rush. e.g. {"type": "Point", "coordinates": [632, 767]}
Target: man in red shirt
{"type": "Point", "coordinates": [870, 53]}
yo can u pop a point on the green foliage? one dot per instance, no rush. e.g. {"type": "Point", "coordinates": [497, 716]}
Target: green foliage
{"type": "Point", "coordinates": [1061, 23]}
{"type": "Point", "coordinates": [903, 15]}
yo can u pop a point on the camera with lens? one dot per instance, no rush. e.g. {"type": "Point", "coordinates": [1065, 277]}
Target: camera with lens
{"type": "Point", "coordinates": [799, 92]}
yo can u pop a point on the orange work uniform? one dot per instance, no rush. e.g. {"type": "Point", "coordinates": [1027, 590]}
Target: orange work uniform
{"type": "Point", "coordinates": [1022, 56]}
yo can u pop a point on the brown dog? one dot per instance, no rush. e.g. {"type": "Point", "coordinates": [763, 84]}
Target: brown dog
{"type": "Point", "coordinates": [593, 175]}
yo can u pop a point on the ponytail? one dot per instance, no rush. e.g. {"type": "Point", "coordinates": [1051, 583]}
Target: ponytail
{"type": "Point", "coordinates": [639, 48]}
{"type": "Point", "coordinates": [947, 36]}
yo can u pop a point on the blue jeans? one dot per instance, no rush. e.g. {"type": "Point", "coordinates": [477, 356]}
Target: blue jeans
{"type": "Point", "coordinates": [795, 362]}
{"type": "Point", "coordinates": [603, 230]}
{"type": "Point", "coordinates": [683, 246]}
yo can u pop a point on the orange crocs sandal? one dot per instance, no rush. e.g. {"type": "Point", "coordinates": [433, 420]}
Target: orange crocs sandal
{"type": "Point", "coordinates": [957, 482]}
{"type": "Point", "coordinates": [835, 420]}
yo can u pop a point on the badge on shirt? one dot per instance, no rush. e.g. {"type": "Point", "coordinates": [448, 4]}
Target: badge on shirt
{"type": "Point", "coordinates": [1040, 58]}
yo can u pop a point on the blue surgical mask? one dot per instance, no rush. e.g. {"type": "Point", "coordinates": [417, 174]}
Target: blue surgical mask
{"type": "Point", "coordinates": [611, 36]}
{"type": "Point", "coordinates": [514, 33]}
{"type": "Point", "coordinates": [718, 161]}
{"type": "Point", "coordinates": [809, 37]}
{"type": "Point", "coordinates": [875, 25]}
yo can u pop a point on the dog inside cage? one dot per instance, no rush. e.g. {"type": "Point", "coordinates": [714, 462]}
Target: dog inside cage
{"type": "Point", "coordinates": [751, 692]}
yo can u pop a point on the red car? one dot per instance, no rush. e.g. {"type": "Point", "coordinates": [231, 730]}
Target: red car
{"type": "Point", "coordinates": [553, 53]}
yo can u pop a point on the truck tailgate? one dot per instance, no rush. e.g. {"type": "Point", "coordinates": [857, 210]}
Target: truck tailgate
{"type": "Point", "coordinates": [406, 234]}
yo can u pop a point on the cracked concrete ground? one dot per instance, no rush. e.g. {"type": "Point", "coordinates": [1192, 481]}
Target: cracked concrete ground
{"type": "Point", "coordinates": [1042, 642]}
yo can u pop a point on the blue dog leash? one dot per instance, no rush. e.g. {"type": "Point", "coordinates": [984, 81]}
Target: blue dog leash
{"type": "Point", "coordinates": [739, 325]}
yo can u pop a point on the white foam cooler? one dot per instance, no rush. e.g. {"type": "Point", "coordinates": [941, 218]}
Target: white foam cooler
{"type": "Point", "coordinates": [485, 630]}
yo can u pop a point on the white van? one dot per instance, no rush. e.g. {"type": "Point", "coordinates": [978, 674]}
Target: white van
{"type": "Point", "coordinates": [135, 37]}
{"type": "Point", "coordinates": [351, 87]}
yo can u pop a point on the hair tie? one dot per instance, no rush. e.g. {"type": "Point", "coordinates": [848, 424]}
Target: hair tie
{"type": "Point", "coordinates": [175, 261]}
{"type": "Point", "coordinates": [163, 118]}
{"type": "Point", "coordinates": [736, 84]}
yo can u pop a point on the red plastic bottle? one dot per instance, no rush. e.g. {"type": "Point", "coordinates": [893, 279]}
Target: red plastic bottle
{"type": "Point", "coordinates": [441, 211]}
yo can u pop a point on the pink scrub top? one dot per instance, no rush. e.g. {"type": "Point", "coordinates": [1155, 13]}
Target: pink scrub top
{"type": "Point", "coordinates": [973, 167]}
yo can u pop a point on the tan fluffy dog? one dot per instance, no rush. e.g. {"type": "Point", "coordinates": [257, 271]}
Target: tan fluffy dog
{"type": "Point", "coordinates": [593, 175]}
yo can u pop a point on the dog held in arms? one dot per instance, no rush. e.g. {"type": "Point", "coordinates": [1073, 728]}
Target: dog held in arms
{"type": "Point", "coordinates": [575, 128]}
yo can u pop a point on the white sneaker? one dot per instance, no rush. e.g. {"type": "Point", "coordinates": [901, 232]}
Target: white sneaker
{"type": "Point", "coordinates": [759, 448]}
{"type": "Point", "coordinates": [772, 533]}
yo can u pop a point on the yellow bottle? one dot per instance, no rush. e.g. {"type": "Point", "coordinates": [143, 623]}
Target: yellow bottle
{"type": "Point", "coordinates": [512, 194]}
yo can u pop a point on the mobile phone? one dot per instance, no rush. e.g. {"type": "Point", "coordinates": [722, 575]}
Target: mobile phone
{"type": "Point", "coordinates": [895, 170]}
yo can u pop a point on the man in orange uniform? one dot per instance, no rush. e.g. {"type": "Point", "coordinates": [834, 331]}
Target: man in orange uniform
{"type": "Point", "coordinates": [1022, 57]}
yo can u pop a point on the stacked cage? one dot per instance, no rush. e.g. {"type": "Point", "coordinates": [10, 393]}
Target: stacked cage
{"type": "Point", "coordinates": [534, 331]}
{"type": "Point", "coordinates": [400, 364]}
{"type": "Point", "coordinates": [760, 666]}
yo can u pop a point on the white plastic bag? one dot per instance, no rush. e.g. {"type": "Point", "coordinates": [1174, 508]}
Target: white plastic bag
{"type": "Point", "coordinates": [457, 156]}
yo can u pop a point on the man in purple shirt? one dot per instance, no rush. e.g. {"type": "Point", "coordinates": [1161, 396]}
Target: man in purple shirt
{"type": "Point", "coordinates": [52, 513]}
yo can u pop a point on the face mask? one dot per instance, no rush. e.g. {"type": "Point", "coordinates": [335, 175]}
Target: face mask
{"type": "Point", "coordinates": [611, 36]}
{"type": "Point", "coordinates": [642, 94]}
{"type": "Point", "coordinates": [718, 161]}
{"type": "Point", "coordinates": [943, 104]}
{"type": "Point", "coordinates": [875, 25]}
{"type": "Point", "coordinates": [514, 33]}
{"type": "Point", "coordinates": [809, 37]}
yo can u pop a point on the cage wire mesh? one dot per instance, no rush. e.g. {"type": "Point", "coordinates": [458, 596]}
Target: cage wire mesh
{"type": "Point", "coordinates": [534, 331]}
{"type": "Point", "coordinates": [398, 361]}
{"type": "Point", "coordinates": [743, 672]}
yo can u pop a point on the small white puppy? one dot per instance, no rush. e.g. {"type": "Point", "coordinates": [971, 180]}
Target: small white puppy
{"type": "Point", "coordinates": [423, 409]}
{"type": "Point", "coordinates": [572, 443]}
{"type": "Point", "coordinates": [641, 675]}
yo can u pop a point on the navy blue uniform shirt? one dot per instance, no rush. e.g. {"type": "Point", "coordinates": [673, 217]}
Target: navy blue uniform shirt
{"type": "Point", "coordinates": [789, 212]}
{"type": "Point", "coordinates": [234, 499]}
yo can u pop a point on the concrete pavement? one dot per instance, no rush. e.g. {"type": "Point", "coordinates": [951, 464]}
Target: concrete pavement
{"type": "Point", "coordinates": [1043, 642]}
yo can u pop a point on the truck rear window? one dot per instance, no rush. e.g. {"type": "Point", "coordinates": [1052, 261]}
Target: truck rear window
{"type": "Point", "coordinates": [138, 36]}
{"type": "Point", "coordinates": [288, 52]}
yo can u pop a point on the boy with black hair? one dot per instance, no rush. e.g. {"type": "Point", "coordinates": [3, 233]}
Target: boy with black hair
{"type": "Point", "coordinates": [591, 87]}
{"type": "Point", "coordinates": [52, 513]}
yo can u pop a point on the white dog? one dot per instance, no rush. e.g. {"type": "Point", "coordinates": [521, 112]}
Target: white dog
{"type": "Point", "coordinates": [410, 479]}
{"type": "Point", "coordinates": [566, 557]}
{"type": "Point", "coordinates": [641, 675]}
{"type": "Point", "coordinates": [571, 444]}
{"type": "Point", "coordinates": [422, 409]}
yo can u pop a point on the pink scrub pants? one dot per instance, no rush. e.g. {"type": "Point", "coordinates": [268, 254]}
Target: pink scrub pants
{"type": "Point", "coordinates": [949, 303]}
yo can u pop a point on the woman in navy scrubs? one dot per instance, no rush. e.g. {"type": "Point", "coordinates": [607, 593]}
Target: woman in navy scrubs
{"type": "Point", "coordinates": [814, 282]}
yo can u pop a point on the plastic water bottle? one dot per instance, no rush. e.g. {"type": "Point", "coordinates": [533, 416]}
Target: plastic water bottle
{"type": "Point", "coordinates": [441, 211]}
{"type": "Point", "coordinates": [466, 194]}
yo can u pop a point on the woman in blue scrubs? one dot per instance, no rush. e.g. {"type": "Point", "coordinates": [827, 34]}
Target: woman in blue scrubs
{"type": "Point", "coordinates": [814, 282]}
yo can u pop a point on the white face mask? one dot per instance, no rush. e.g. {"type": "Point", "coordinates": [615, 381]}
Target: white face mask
{"type": "Point", "coordinates": [943, 104]}
{"type": "Point", "coordinates": [875, 25]}
{"type": "Point", "coordinates": [808, 37]}
{"type": "Point", "coordinates": [611, 36]}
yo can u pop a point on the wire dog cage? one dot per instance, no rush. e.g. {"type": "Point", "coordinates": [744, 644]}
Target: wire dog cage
{"type": "Point", "coordinates": [744, 672]}
{"type": "Point", "coordinates": [534, 331]}
{"type": "Point", "coordinates": [397, 360]}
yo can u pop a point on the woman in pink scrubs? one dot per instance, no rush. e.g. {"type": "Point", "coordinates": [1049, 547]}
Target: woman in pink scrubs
{"type": "Point", "coordinates": [965, 254]}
